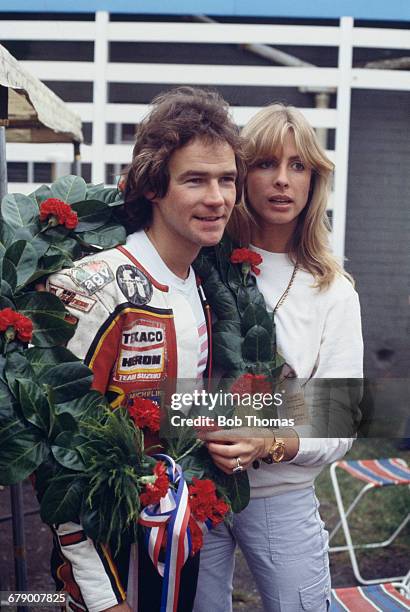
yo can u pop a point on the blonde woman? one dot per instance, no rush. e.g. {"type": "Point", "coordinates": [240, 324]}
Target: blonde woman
{"type": "Point", "coordinates": [318, 331]}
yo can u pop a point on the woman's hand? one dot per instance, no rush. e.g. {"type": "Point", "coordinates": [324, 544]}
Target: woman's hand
{"type": "Point", "coordinates": [226, 447]}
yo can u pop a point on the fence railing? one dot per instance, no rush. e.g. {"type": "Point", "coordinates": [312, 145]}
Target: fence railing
{"type": "Point", "coordinates": [101, 72]}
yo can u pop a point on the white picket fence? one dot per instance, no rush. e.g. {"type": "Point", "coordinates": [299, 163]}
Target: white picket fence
{"type": "Point", "coordinates": [101, 72]}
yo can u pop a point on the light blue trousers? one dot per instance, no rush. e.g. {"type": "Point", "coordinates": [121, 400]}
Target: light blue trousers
{"type": "Point", "coordinates": [286, 547]}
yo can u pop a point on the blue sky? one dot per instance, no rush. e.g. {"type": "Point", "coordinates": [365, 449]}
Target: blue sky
{"type": "Point", "coordinates": [360, 9]}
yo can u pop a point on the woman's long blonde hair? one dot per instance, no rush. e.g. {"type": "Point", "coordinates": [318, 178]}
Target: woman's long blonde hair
{"type": "Point", "coordinates": [263, 136]}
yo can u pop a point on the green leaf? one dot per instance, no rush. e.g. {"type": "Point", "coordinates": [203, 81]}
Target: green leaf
{"type": "Point", "coordinates": [93, 191]}
{"type": "Point", "coordinates": [69, 189]}
{"type": "Point", "coordinates": [2, 367]}
{"type": "Point", "coordinates": [279, 363]}
{"type": "Point", "coordinates": [34, 404]}
{"type": "Point", "coordinates": [223, 253]}
{"type": "Point", "coordinates": [221, 298]}
{"type": "Point", "coordinates": [91, 215]}
{"type": "Point", "coordinates": [65, 451]}
{"type": "Point", "coordinates": [49, 265]}
{"type": "Point", "coordinates": [44, 473]}
{"type": "Point", "coordinates": [88, 405]}
{"type": "Point", "coordinates": [22, 450]}
{"type": "Point", "coordinates": [108, 236]}
{"type": "Point", "coordinates": [69, 249]}
{"type": "Point", "coordinates": [62, 500]}
{"type": "Point", "coordinates": [51, 331]}
{"type": "Point", "coordinates": [41, 242]}
{"type": "Point", "coordinates": [18, 210]}
{"type": "Point", "coordinates": [225, 308]}
{"type": "Point", "coordinates": [111, 506]}
{"type": "Point", "coordinates": [6, 303]}
{"type": "Point", "coordinates": [227, 350]}
{"type": "Point", "coordinates": [9, 273]}
{"type": "Point", "coordinates": [43, 359]}
{"type": "Point", "coordinates": [192, 468]}
{"type": "Point", "coordinates": [52, 262]}
{"type": "Point", "coordinates": [243, 299]}
{"type": "Point", "coordinates": [110, 195]}
{"type": "Point", "coordinates": [27, 232]}
{"type": "Point", "coordinates": [237, 489]}
{"type": "Point", "coordinates": [230, 327]}
{"type": "Point", "coordinates": [5, 289]}
{"type": "Point", "coordinates": [256, 315]}
{"type": "Point", "coordinates": [179, 440]}
{"type": "Point", "coordinates": [7, 401]}
{"type": "Point", "coordinates": [234, 277]}
{"type": "Point", "coordinates": [93, 522]}
{"type": "Point", "coordinates": [69, 380]}
{"type": "Point", "coordinates": [55, 234]}
{"type": "Point", "coordinates": [24, 258]}
{"type": "Point", "coordinates": [16, 367]}
{"type": "Point", "coordinates": [68, 458]}
{"type": "Point", "coordinates": [40, 194]}
{"type": "Point", "coordinates": [257, 345]}
{"type": "Point", "coordinates": [47, 313]}
{"type": "Point", "coordinates": [6, 236]}
{"type": "Point", "coordinates": [63, 423]}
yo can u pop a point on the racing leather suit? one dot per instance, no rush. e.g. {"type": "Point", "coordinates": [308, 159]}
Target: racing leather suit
{"type": "Point", "coordinates": [134, 335]}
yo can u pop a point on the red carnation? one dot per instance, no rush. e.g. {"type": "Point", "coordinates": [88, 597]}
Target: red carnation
{"type": "Point", "coordinates": [58, 213]}
{"type": "Point", "coordinates": [14, 323]}
{"type": "Point", "coordinates": [155, 491]}
{"type": "Point", "coordinates": [145, 413]}
{"type": "Point", "coordinates": [203, 487]}
{"type": "Point", "coordinates": [197, 538]}
{"type": "Point", "coordinates": [204, 502]}
{"type": "Point", "coordinates": [249, 260]}
{"type": "Point", "coordinates": [251, 383]}
{"type": "Point", "coordinates": [219, 510]}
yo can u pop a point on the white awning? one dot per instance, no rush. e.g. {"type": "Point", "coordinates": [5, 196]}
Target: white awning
{"type": "Point", "coordinates": [35, 113]}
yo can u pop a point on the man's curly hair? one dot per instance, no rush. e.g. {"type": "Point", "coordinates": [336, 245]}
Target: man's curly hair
{"type": "Point", "coordinates": [177, 117]}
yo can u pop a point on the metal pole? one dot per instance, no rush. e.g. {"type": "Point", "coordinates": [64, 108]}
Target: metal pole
{"type": "Point", "coordinates": [3, 163]}
{"type": "Point", "coordinates": [16, 491]}
{"type": "Point", "coordinates": [77, 159]}
{"type": "Point", "coordinates": [20, 566]}
{"type": "Point", "coordinates": [3, 159]}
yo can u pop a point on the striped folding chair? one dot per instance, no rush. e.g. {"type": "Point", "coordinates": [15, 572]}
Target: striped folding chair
{"type": "Point", "coordinates": [374, 473]}
{"type": "Point", "coordinates": [388, 597]}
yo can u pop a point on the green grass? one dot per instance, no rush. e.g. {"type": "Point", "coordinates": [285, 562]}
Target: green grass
{"type": "Point", "coordinates": [377, 515]}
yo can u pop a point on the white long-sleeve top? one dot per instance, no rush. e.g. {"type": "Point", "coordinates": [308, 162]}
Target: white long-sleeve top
{"type": "Point", "coordinates": [319, 335]}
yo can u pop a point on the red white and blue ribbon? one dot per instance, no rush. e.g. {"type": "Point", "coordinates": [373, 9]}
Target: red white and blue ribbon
{"type": "Point", "coordinates": [171, 515]}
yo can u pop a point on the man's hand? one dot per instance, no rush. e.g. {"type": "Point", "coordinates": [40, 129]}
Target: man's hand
{"type": "Point", "coordinates": [122, 607]}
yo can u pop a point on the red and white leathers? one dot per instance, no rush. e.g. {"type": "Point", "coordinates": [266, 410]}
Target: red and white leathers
{"type": "Point", "coordinates": [134, 334]}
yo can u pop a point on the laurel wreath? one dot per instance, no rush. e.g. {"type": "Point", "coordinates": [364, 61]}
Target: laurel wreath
{"type": "Point", "coordinates": [88, 460]}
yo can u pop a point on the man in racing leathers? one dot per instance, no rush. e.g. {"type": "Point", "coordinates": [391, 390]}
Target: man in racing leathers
{"type": "Point", "coordinates": [140, 316]}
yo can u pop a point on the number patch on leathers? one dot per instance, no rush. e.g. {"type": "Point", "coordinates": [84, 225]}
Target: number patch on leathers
{"type": "Point", "coordinates": [92, 276]}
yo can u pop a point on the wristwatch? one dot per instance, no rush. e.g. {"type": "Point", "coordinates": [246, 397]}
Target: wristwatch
{"type": "Point", "coordinates": [276, 452]}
